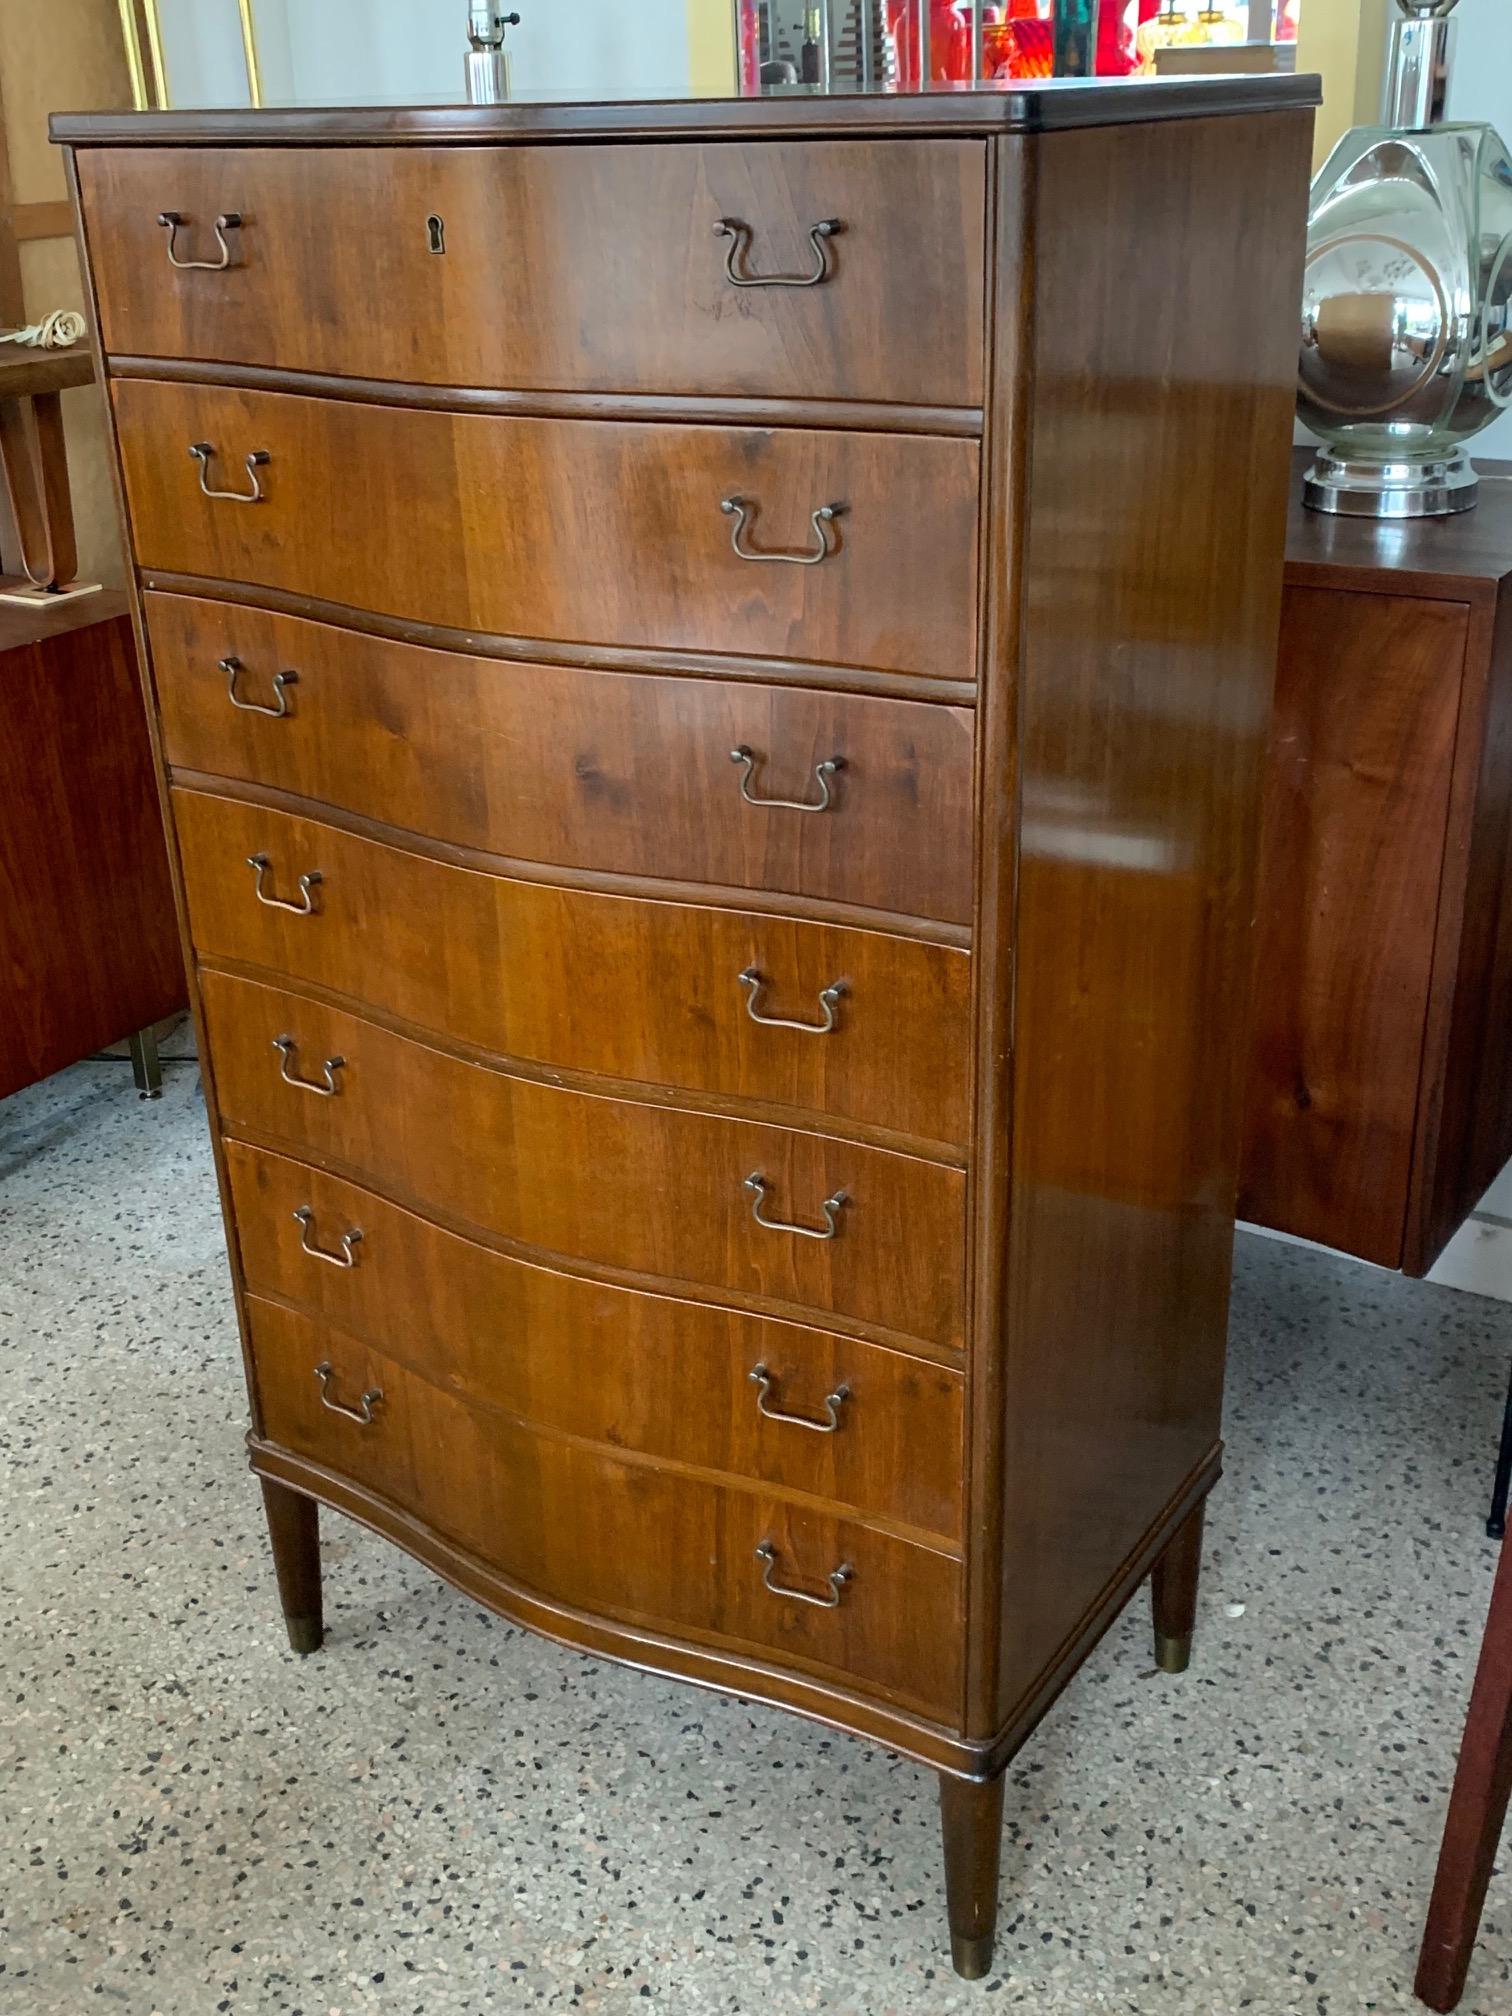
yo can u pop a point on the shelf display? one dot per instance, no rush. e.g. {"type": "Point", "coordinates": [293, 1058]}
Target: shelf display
{"type": "Point", "coordinates": [909, 45]}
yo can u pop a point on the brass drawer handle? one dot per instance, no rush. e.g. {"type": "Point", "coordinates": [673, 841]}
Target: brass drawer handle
{"type": "Point", "coordinates": [363, 1411]}
{"type": "Point", "coordinates": [305, 907]}
{"type": "Point", "coordinates": [304, 1218]}
{"type": "Point", "coordinates": [836, 1578]}
{"type": "Point", "coordinates": [823, 772]}
{"type": "Point", "coordinates": [762, 1379]}
{"type": "Point", "coordinates": [759, 1186]}
{"type": "Point", "coordinates": [288, 1049]}
{"type": "Point", "coordinates": [281, 682]}
{"type": "Point", "coordinates": [829, 1001]}
{"type": "Point", "coordinates": [743, 511]}
{"type": "Point", "coordinates": [740, 236]}
{"type": "Point", "coordinates": [172, 222]}
{"type": "Point", "coordinates": [201, 452]}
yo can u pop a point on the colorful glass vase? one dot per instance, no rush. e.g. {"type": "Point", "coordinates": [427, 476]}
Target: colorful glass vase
{"type": "Point", "coordinates": [1174, 28]}
{"type": "Point", "coordinates": [750, 48]}
{"type": "Point", "coordinates": [1033, 49]}
{"type": "Point", "coordinates": [1218, 24]}
{"type": "Point", "coordinates": [1161, 31]}
{"type": "Point", "coordinates": [1075, 38]}
{"type": "Point", "coordinates": [1115, 39]}
{"type": "Point", "coordinates": [950, 43]}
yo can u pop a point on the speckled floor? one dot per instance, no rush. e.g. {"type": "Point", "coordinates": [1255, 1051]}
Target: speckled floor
{"type": "Point", "coordinates": [441, 1815]}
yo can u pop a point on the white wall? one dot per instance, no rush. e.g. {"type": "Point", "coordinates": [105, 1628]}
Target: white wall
{"type": "Point", "coordinates": [202, 52]}
{"type": "Point", "coordinates": [599, 48]}
{"type": "Point", "coordinates": [1481, 88]}
{"type": "Point", "coordinates": [397, 52]}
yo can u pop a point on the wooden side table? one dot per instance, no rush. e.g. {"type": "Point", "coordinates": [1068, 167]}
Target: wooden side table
{"type": "Point", "coordinates": [33, 460]}
{"type": "Point", "coordinates": [1380, 1096]}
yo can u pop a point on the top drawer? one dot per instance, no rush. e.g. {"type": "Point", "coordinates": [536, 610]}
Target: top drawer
{"type": "Point", "coordinates": [563, 268]}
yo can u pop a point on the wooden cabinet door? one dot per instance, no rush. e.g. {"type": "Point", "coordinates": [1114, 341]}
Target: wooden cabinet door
{"type": "Point", "coordinates": [1352, 854]}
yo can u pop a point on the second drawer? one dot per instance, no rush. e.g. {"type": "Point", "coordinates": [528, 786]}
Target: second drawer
{"type": "Point", "coordinates": [626, 534]}
{"type": "Point", "coordinates": [663, 993]}
{"type": "Point", "coordinates": [871, 1430]}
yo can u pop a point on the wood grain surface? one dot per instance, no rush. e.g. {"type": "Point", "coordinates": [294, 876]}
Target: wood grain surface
{"type": "Point", "coordinates": [570, 530]}
{"type": "Point", "coordinates": [631, 990]}
{"type": "Point", "coordinates": [617, 1366]}
{"type": "Point", "coordinates": [612, 771]}
{"type": "Point", "coordinates": [563, 267]}
{"type": "Point", "coordinates": [630, 1540]}
{"type": "Point", "coordinates": [1357, 804]}
{"type": "Point", "coordinates": [655, 1190]}
{"type": "Point", "coordinates": [1144, 671]}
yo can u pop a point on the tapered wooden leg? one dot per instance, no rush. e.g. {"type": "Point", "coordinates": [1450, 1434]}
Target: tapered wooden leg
{"type": "Point", "coordinates": [1477, 1809]}
{"type": "Point", "coordinates": [1173, 1587]}
{"type": "Point", "coordinates": [294, 1529]}
{"type": "Point", "coordinates": [146, 1065]}
{"type": "Point", "coordinates": [971, 1821]}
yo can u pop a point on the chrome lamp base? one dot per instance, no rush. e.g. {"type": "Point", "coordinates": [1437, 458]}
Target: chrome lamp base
{"type": "Point", "coordinates": [1358, 486]}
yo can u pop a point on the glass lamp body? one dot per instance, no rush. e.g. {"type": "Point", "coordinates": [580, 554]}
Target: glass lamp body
{"type": "Point", "coordinates": [1406, 317]}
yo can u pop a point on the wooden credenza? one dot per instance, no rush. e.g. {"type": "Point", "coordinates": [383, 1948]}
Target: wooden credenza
{"type": "Point", "coordinates": [88, 949]}
{"type": "Point", "coordinates": [711, 665]}
{"type": "Point", "coordinates": [1380, 1098]}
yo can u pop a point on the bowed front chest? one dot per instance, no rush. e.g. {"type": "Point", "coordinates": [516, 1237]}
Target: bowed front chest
{"type": "Point", "coordinates": [710, 665]}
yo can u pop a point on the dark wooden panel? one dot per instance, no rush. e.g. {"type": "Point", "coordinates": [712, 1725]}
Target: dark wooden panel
{"type": "Point", "coordinates": [641, 1187]}
{"type": "Point", "coordinates": [1465, 1124]}
{"type": "Point", "coordinates": [1357, 796]}
{"type": "Point", "coordinates": [621, 1539]}
{"type": "Point", "coordinates": [88, 946]}
{"type": "Point", "coordinates": [564, 268]}
{"type": "Point", "coordinates": [632, 990]}
{"type": "Point", "coordinates": [1161, 412]}
{"type": "Point", "coordinates": [562, 529]}
{"type": "Point", "coordinates": [613, 771]}
{"type": "Point", "coordinates": [631, 1370]}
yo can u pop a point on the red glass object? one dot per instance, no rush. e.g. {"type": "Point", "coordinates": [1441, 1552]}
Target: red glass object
{"type": "Point", "coordinates": [949, 42]}
{"type": "Point", "coordinates": [750, 48]}
{"type": "Point", "coordinates": [1033, 53]}
{"type": "Point", "coordinates": [997, 48]}
{"type": "Point", "coordinates": [1115, 39]}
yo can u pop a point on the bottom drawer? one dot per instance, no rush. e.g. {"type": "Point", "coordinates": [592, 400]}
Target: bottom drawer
{"type": "Point", "coordinates": [648, 1546]}
{"type": "Point", "coordinates": [648, 1373]}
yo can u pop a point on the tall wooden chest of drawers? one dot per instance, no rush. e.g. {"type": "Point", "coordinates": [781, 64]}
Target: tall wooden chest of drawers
{"type": "Point", "coordinates": [710, 665]}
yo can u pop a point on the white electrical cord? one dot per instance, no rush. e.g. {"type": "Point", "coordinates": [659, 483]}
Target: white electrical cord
{"type": "Point", "coordinates": [57, 331]}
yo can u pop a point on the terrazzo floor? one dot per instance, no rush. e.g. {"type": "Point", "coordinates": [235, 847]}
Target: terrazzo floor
{"type": "Point", "coordinates": [439, 1814]}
